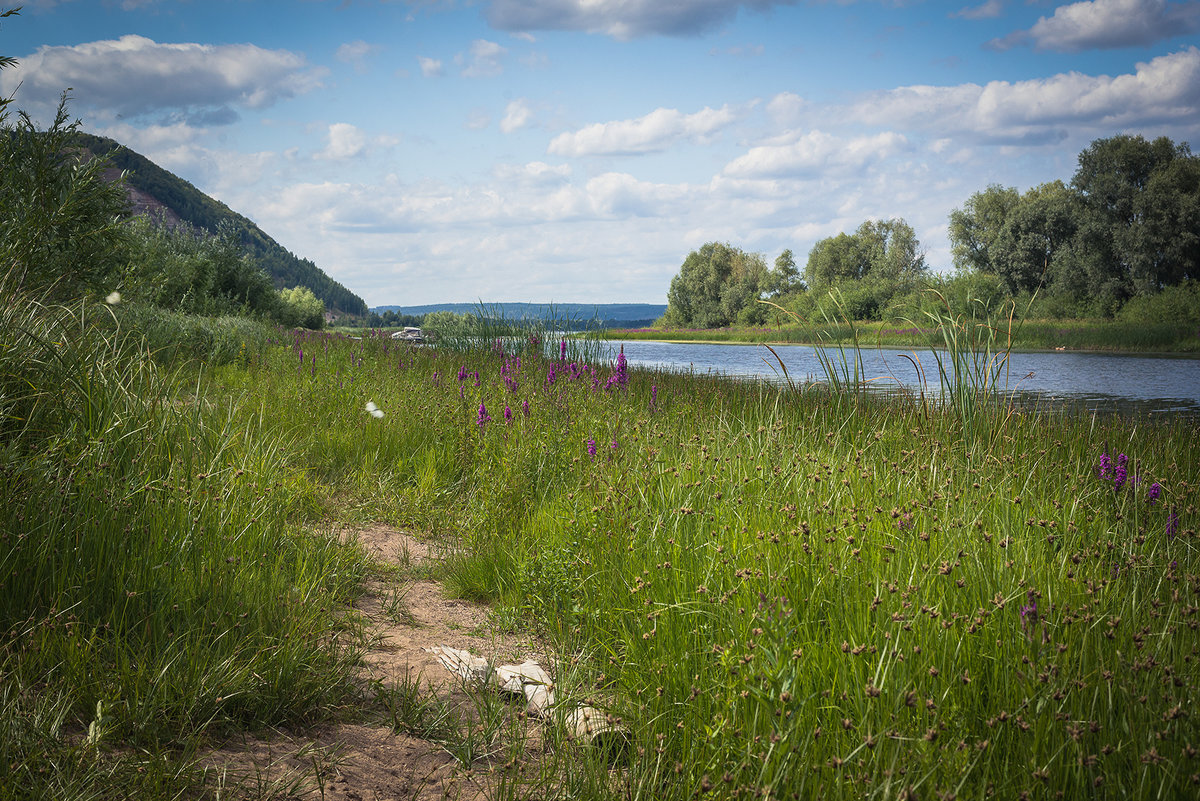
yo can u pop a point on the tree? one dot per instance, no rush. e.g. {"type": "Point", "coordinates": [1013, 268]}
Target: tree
{"type": "Point", "coordinates": [975, 228]}
{"type": "Point", "coordinates": [301, 308]}
{"type": "Point", "coordinates": [1033, 245]}
{"type": "Point", "coordinates": [785, 278]}
{"type": "Point", "coordinates": [893, 252]}
{"type": "Point", "coordinates": [1147, 194]}
{"type": "Point", "coordinates": [880, 260]}
{"type": "Point", "coordinates": [834, 260]}
{"type": "Point", "coordinates": [716, 286]}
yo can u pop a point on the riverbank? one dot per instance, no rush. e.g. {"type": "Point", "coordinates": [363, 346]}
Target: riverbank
{"type": "Point", "coordinates": [1033, 335]}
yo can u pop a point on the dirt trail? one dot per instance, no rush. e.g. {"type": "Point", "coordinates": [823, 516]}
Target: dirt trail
{"type": "Point", "coordinates": [370, 762]}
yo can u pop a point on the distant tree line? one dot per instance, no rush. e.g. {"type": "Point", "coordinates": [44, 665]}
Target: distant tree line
{"type": "Point", "coordinates": [390, 319]}
{"type": "Point", "coordinates": [1122, 239]}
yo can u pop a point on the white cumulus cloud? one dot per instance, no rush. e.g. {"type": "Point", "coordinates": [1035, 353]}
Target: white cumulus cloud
{"type": "Point", "coordinates": [516, 116]}
{"type": "Point", "coordinates": [135, 75]}
{"type": "Point", "coordinates": [345, 142]}
{"type": "Point", "coordinates": [485, 60]}
{"type": "Point", "coordinates": [1165, 89]}
{"type": "Point", "coordinates": [431, 67]}
{"type": "Point", "coordinates": [814, 153]}
{"type": "Point", "coordinates": [1107, 24]}
{"type": "Point", "coordinates": [652, 133]}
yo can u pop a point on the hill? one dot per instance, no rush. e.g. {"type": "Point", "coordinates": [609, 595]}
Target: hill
{"type": "Point", "coordinates": [153, 190]}
{"type": "Point", "coordinates": [606, 315]}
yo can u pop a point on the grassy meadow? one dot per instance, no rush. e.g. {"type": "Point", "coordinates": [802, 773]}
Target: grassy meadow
{"type": "Point", "coordinates": [778, 593]}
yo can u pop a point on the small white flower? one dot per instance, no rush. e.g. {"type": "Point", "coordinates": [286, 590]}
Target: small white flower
{"type": "Point", "coordinates": [374, 410]}
{"type": "Point", "coordinates": [113, 298]}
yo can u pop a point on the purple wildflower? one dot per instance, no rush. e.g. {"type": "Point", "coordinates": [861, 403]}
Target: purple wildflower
{"type": "Point", "coordinates": [484, 417]}
{"type": "Point", "coordinates": [1119, 474]}
{"type": "Point", "coordinates": [1029, 613]}
{"type": "Point", "coordinates": [622, 375]}
{"type": "Point", "coordinates": [1153, 493]}
{"type": "Point", "coordinates": [591, 448]}
{"type": "Point", "coordinates": [1105, 468]}
{"type": "Point", "coordinates": [614, 443]}
{"type": "Point", "coordinates": [525, 407]}
{"type": "Point", "coordinates": [562, 349]}
{"type": "Point", "coordinates": [654, 394]}
{"type": "Point", "coordinates": [462, 374]}
{"type": "Point", "coordinates": [507, 414]}
{"type": "Point", "coordinates": [1172, 523]}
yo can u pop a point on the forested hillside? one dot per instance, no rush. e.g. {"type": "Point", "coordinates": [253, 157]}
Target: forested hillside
{"type": "Point", "coordinates": [179, 199]}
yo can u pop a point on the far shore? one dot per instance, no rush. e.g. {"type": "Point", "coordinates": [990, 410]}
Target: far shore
{"type": "Point", "coordinates": [1087, 336]}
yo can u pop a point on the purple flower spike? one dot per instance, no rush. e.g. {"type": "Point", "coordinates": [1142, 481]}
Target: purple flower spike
{"type": "Point", "coordinates": [484, 417]}
{"type": "Point", "coordinates": [1172, 523]}
{"type": "Point", "coordinates": [525, 407]}
{"type": "Point", "coordinates": [591, 448]}
{"type": "Point", "coordinates": [1153, 493]}
{"type": "Point", "coordinates": [507, 414]}
{"type": "Point", "coordinates": [562, 349]}
{"type": "Point", "coordinates": [1105, 468]}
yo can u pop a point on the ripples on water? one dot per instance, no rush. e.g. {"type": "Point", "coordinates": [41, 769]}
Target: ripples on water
{"type": "Point", "coordinates": [1088, 381]}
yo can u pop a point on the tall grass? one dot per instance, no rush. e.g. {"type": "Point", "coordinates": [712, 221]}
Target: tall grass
{"type": "Point", "coordinates": [778, 592]}
{"type": "Point", "coordinates": [792, 593]}
{"type": "Point", "coordinates": [154, 585]}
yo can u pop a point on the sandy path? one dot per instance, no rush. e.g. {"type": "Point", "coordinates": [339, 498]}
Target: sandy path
{"type": "Point", "coordinates": [371, 762]}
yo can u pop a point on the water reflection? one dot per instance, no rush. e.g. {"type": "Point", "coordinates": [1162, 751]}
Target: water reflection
{"type": "Point", "coordinates": [1087, 381]}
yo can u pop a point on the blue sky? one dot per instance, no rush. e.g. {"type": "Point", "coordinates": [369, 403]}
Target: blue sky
{"type": "Point", "coordinates": [424, 151]}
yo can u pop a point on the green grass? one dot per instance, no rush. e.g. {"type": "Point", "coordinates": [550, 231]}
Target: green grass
{"type": "Point", "coordinates": [798, 590]}
{"type": "Point", "coordinates": [155, 585]}
{"type": "Point", "coordinates": [787, 592]}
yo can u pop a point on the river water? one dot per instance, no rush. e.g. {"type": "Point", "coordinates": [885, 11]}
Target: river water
{"type": "Point", "coordinates": [1089, 381]}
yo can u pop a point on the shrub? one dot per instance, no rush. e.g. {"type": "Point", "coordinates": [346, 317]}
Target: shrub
{"type": "Point", "coordinates": [1176, 304]}
{"type": "Point", "coordinates": [61, 227]}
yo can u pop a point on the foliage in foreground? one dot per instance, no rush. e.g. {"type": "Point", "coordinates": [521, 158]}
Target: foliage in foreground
{"type": "Point", "coordinates": [154, 585]}
{"type": "Point", "coordinates": [792, 593]}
